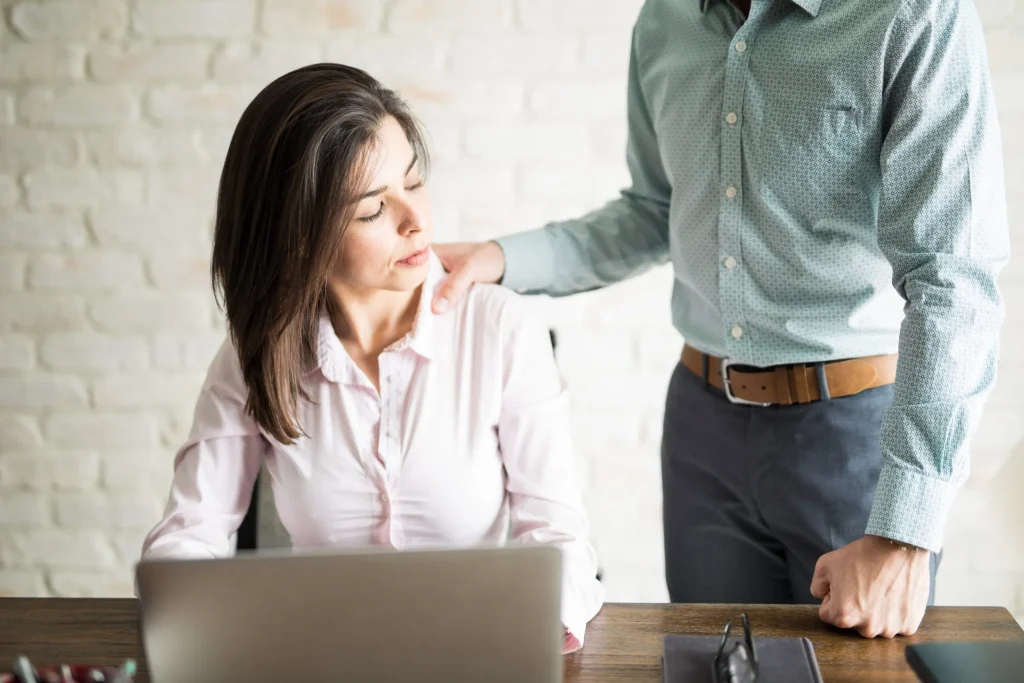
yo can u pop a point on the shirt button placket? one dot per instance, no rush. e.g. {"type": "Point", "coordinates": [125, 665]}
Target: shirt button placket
{"type": "Point", "coordinates": [386, 422]}
{"type": "Point", "coordinates": [396, 532]}
{"type": "Point", "coordinates": [730, 224]}
{"type": "Point", "coordinates": [383, 531]}
{"type": "Point", "coordinates": [390, 436]}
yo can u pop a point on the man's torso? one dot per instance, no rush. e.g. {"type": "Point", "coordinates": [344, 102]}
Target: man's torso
{"type": "Point", "coordinates": [770, 130]}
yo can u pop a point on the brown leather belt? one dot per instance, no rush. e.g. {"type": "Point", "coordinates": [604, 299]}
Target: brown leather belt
{"type": "Point", "coordinates": [789, 384]}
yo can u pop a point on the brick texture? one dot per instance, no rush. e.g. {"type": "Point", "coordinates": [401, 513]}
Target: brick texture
{"type": "Point", "coordinates": [69, 19]}
{"type": "Point", "coordinates": [24, 148]}
{"type": "Point", "coordinates": [145, 62]}
{"type": "Point", "coordinates": [210, 19]}
{"type": "Point", "coordinates": [40, 62]}
{"type": "Point", "coordinates": [12, 271]}
{"type": "Point", "coordinates": [114, 119]}
{"type": "Point", "coordinates": [46, 469]}
{"type": "Point", "coordinates": [79, 105]}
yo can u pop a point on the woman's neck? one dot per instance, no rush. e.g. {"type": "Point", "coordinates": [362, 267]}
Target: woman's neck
{"type": "Point", "coordinates": [369, 322]}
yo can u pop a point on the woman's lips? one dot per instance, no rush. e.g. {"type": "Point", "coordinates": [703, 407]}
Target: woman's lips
{"type": "Point", "coordinates": [417, 259]}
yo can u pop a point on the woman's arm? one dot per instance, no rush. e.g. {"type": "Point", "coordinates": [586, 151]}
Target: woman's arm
{"type": "Point", "coordinates": [214, 471]}
{"type": "Point", "coordinates": [534, 436]}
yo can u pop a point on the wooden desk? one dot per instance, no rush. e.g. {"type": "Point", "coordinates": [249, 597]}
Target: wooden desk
{"type": "Point", "coordinates": [623, 642]}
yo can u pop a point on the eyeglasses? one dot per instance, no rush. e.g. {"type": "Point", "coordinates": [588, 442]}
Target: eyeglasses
{"type": "Point", "coordinates": [738, 662]}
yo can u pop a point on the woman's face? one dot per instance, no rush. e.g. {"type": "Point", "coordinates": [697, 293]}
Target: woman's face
{"type": "Point", "coordinates": [387, 243]}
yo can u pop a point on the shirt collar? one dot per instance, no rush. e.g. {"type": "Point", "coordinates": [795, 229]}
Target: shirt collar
{"type": "Point", "coordinates": [810, 6]}
{"type": "Point", "coordinates": [421, 338]}
{"type": "Point", "coordinates": [334, 361]}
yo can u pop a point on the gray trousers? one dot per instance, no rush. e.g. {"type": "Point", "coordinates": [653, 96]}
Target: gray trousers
{"type": "Point", "coordinates": [754, 496]}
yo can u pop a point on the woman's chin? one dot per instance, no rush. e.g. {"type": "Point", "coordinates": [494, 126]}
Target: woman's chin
{"type": "Point", "coordinates": [407, 278]}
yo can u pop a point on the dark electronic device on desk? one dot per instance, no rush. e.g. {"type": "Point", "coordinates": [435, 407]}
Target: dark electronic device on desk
{"type": "Point", "coordinates": [973, 661]}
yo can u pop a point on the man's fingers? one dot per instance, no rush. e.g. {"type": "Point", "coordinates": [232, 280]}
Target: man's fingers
{"type": "Point", "coordinates": [819, 582]}
{"type": "Point", "coordinates": [909, 629]}
{"type": "Point", "coordinates": [446, 254]}
{"type": "Point", "coordinates": [833, 611]}
{"type": "Point", "coordinates": [451, 288]}
{"type": "Point", "coordinates": [825, 611]}
{"type": "Point", "coordinates": [819, 586]}
{"type": "Point", "coordinates": [870, 629]}
{"type": "Point", "coordinates": [844, 617]}
{"type": "Point", "coordinates": [911, 623]}
{"type": "Point", "coordinates": [466, 263]}
{"type": "Point", "coordinates": [442, 297]}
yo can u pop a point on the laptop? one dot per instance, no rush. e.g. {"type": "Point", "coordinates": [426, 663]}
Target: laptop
{"type": "Point", "coordinates": [481, 614]}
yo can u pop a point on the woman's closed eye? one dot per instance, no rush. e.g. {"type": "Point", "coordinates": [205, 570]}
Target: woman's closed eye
{"type": "Point", "coordinates": [370, 219]}
{"type": "Point", "coordinates": [380, 211]}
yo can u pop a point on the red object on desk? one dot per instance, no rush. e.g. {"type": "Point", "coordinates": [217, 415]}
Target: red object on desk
{"type": "Point", "coordinates": [70, 673]}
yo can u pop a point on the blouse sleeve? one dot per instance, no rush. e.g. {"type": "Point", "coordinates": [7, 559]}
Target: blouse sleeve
{"type": "Point", "coordinates": [214, 471]}
{"type": "Point", "coordinates": [534, 436]}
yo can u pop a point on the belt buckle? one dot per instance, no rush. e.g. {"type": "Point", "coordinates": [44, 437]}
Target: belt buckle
{"type": "Point", "coordinates": [727, 386]}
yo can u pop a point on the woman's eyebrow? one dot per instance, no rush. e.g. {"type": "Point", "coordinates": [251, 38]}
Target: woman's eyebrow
{"type": "Point", "coordinates": [383, 189]}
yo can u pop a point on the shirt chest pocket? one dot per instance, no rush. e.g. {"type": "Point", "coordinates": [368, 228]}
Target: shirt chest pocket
{"type": "Point", "coordinates": [807, 161]}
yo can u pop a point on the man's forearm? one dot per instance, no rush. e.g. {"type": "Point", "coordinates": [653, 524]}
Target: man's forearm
{"type": "Point", "coordinates": [948, 357]}
{"type": "Point", "coordinates": [621, 239]}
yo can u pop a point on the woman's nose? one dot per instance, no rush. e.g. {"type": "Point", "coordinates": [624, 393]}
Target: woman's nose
{"type": "Point", "coordinates": [412, 221]}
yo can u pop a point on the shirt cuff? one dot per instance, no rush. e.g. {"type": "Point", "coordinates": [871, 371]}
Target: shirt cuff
{"type": "Point", "coordinates": [910, 507]}
{"type": "Point", "coordinates": [572, 643]}
{"type": "Point", "coordinates": [529, 261]}
{"type": "Point", "coordinates": [581, 601]}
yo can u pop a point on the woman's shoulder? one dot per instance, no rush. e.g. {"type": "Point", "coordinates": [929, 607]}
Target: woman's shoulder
{"type": "Point", "coordinates": [503, 317]}
{"type": "Point", "coordinates": [224, 374]}
{"type": "Point", "coordinates": [489, 313]}
{"type": "Point", "coordinates": [496, 305]}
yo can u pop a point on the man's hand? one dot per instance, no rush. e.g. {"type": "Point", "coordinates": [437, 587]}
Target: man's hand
{"type": "Point", "coordinates": [466, 263]}
{"type": "Point", "coordinates": [874, 587]}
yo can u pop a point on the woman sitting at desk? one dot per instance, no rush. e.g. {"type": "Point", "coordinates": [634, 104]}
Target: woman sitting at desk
{"type": "Point", "coordinates": [379, 422]}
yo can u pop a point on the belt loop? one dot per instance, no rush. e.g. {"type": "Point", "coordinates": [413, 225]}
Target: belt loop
{"type": "Point", "coordinates": [823, 392]}
{"type": "Point", "coordinates": [704, 365]}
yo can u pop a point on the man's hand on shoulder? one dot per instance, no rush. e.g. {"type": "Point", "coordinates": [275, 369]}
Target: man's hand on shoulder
{"type": "Point", "coordinates": [466, 263]}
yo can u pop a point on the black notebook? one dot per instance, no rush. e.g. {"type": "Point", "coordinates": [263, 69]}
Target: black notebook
{"type": "Point", "coordinates": [977, 662]}
{"type": "Point", "coordinates": [687, 659]}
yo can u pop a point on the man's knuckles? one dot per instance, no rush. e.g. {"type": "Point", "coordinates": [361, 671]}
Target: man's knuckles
{"type": "Point", "coordinates": [844, 616]}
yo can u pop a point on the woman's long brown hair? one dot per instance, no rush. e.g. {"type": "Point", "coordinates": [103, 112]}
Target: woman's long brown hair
{"type": "Point", "coordinates": [295, 166]}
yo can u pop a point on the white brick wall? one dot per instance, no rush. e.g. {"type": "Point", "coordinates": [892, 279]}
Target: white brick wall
{"type": "Point", "coordinates": [114, 119]}
{"type": "Point", "coordinates": [146, 62]}
{"type": "Point", "coordinates": [68, 19]}
{"type": "Point", "coordinates": [211, 19]}
{"type": "Point", "coordinates": [78, 105]}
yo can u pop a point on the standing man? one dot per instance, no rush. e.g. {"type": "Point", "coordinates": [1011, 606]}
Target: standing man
{"type": "Point", "coordinates": [826, 178]}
